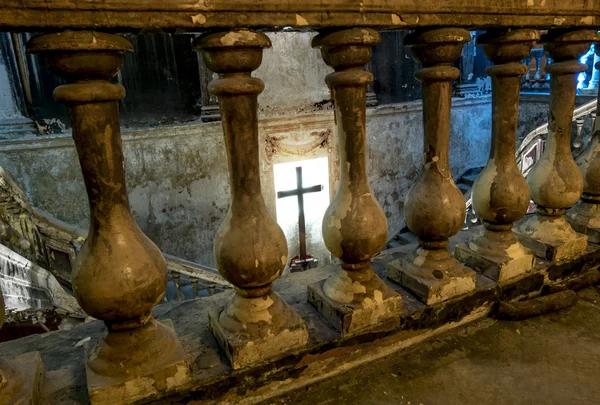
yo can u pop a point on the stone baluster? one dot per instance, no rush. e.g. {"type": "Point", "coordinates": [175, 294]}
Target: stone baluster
{"type": "Point", "coordinates": [354, 298]}
{"type": "Point", "coordinates": [176, 277]}
{"type": "Point", "coordinates": [584, 217]}
{"type": "Point", "coordinates": [21, 378]}
{"type": "Point", "coordinates": [209, 111]}
{"type": "Point", "coordinates": [546, 74]}
{"type": "Point", "coordinates": [592, 86]}
{"type": "Point", "coordinates": [250, 247]}
{"type": "Point", "coordinates": [119, 273]}
{"type": "Point", "coordinates": [537, 77]}
{"type": "Point", "coordinates": [555, 181]}
{"type": "Point", "coordinates": [194, 282]}
{"type": "Point", "coordinates": [578, 140]}
{"type": "Point", "coordinates": [527, 78]}
{"type": "Point", "coordinates": [371, 95]}
{"type": "Point", "coordinates": [435, 207]}
{"type": "Point", "coordinates": [500, 192]}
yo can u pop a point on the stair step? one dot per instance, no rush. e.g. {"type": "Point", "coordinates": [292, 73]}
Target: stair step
{"type": "Point", "coordinates": [392, 244]}
{"type": "Point", "coordinates": [407, 238]}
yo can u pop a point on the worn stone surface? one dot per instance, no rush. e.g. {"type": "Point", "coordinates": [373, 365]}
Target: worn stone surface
{"type": "Point", "coordinates": [119, 274]}
{"type": "Point", "coordinates": [435, 207]}
{"type": "Point", "coordinates": [551, 359]}
{"type": "Point", "coordinates": [328, 353]}
{"type": "Point", "coordinates": [372, 314]}
{"type": "Point", "coordinates": [555, 180]}
{"type": "Point", "coordinates": [584, 217]}
{"type": "Point", "coordinates": [24, 385]}
{"type": "Point", "coordinates": [246, 348]}
{"type": "Point", "coordinates": [551, 238]}
{"type": "Point", "coordinates": [165, 377]}
{"type": "Point", "coordinates": [500, 192]}
{"type": "Point", "coordinates": [250, 247]}
{"type": "Point", "coordinates": [496, 267]}
{"type": "Point", "coordinates": [436, 283]}
{"type": "Point", "coordinates": [354, 225]}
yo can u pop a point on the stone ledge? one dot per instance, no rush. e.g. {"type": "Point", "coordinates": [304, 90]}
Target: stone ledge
{"type": "Point", "coordinates": [327, 353]}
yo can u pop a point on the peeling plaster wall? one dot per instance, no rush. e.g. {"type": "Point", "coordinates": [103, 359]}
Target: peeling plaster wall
{"type": "Point", "coordinates": [8, 106]}
{"type": "Point", "coordinates": [294, 75]}
{"type": "Point", "coordinates": [177, 175]}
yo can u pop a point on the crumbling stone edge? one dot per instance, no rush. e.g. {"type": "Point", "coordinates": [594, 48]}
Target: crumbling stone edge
{"type": "Point", "coordinates": [325, 360]}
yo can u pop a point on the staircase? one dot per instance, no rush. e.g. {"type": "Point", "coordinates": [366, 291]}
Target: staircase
{"type": "Point", "coordinates": [37, 254]}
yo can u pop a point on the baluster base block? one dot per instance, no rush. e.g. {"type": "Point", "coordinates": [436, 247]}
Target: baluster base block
{"type": "Point", "coordinates": [496, 254]}
{"type": "Point", "coordinates": [501, 267]}
{"type": "Point", "coordinates": [279, 332]}
{"type": "Point", "coordinates": [584, 217]}
{"type": "Point", "coordinates": [433, 276]}
{"type": "Point", "coordinates": [551, 238]}
{"type": "Point", "coordinates": [375, 308]}
{"type": "Point", "coordinates": [162, 377]}
{"type": "Point", "coordinates": [25, 375]}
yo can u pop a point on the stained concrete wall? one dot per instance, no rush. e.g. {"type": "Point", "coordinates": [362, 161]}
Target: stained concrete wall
{"type": "Point", "coordinates": [177, 175]}
{"type": "Point", "coordinates": [8, 106]}
{"type": "Point", "coordinates": [294, 75]}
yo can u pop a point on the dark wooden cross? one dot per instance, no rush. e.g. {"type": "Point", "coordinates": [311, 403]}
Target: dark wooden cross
{"type": "Point", "coordinates": [302, 262]}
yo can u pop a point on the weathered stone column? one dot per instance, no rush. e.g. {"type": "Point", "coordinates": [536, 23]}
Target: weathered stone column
{"type": "Point", "coordinates": [435, 207]}
{"type": "Point", "coordinates": [119, 274]}
{"type": "Point", "coordinates": [584, 217]}
{"type": "Point", "coordinates": [250, 247]}
{"type": "Point", "coordinates": [354, 298]}
{"type": "Point", "coordinates": [555, 181]}
{"type": "Point", "coordinates": [21, 378]}
{"type": "Point", "coordinates": [500, 192]}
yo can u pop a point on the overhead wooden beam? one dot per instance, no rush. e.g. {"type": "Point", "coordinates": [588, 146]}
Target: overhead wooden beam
{"type": "Point", "coordinates": [199, 15]}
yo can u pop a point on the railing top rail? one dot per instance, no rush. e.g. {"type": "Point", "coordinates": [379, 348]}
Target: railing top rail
{"type": "Point", "coordinates": [195, 15]}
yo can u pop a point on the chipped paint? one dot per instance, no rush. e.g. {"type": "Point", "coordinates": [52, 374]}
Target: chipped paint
{"type": "Point", "coordinates": [359, 288]}
{"type": "Point", "coordinates": [589, 20]}
{"type": "Point", "coordinates": [482, 190]}
{"type": "Point", "coordinates": [181, 377]}
{"type": "Point", "coordinates": [339, 287]}
{"type": "Point", "coordinates": [558, 20]}
{"type": "Point", "coordinates": [198, 19]}
{"type": "Point", "coordinates": [420, 257]}
{"type": "Point", "coordinates": [232, 38]}
{"type": "Point", "coordinates": [549, 187]}
{"type": "Point", "coordinates": [249, 310]}
{"type": "Point", "coordinates": [397, 20]}
{"type": "Point", "coordinates": [301, 21]}
{"type": "Point", "coordinates": [434, 216]}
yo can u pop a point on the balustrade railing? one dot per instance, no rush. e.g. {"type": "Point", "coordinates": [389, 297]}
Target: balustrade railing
{"type": "Point", "coordinates": [120, 275]}
{"type": "Point", "coordinates": [537, 79]}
